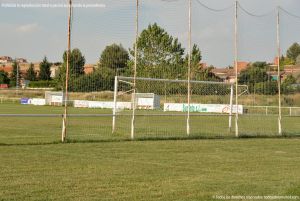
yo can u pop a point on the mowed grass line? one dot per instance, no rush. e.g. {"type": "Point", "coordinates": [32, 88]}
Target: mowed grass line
{"type": "Point", "coordinates": [150, 170]}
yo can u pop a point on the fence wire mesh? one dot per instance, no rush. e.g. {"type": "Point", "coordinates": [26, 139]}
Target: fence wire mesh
{"type": "Point", "coordinates": [147, 69]}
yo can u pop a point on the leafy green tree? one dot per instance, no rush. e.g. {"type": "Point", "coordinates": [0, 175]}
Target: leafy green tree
{"type": "Point", "coordinates": [30, 73]}
{"type": "Point", "coordinates": [287, 84]}
{"type": "Point", "coordinates": [77, 62]}
{"type": "Point", "coordinates": [159, 54]}
{"type": "Point", "coordinates": [114, 57]}
{"type": "Point", "coordinates": [255, 73]}
{"type": "Point", "coordinates": [16, 73]}
{"type": "Point", "coordinates": [76, 67]}
{"type": "Point", "coordinates": [197, 71]}
{"type": "Point", "coordinates": [45, 70]}
{"type": "Point", "coordinates": [255, 76]}
{"type": "Point", "coordinates": [100, 80]}
{"type": "Point", "coordinates": [4, 79]}
{"type": "Point", "coordinates": [293, 52]}
{"type": "Point", "coordinates": [298, 60]}
{"type": "Point", "coordinates": [285, 61]}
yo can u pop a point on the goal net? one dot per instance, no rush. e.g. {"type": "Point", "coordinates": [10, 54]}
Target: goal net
{"type": "Point", "coordinates": [161, 107]}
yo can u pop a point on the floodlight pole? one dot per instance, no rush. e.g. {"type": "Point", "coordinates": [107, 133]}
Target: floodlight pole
{"type": "Point", "coordinates": [278, 72]}
{"type": "Point", "coordinates": [236, 67]}
{"type": "Point", "coordinates": [135, 70]}
{"type": "Point", "coordinates": [189, 68]}
{"type": "Point", "coordinates": [64, 127]}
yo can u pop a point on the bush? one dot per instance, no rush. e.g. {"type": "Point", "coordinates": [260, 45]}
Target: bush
{"type": "Point", "coordinates": [43, 84]}
{"type": "Point", "coordinates": [101, 80]}
{"type": "Point", "coordinates": [266, 88]}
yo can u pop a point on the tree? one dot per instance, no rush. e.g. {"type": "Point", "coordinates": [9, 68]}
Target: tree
{"type": "Point", "coordinates": [15, 75]}
{"type": "Point", "coordinates": [77, 62]}
{"type": "Point", "coordinates": [197, 71]}
{"type": "Point", "coordinates": [31, 74]}
{"type": "Point", "coordinates": [195, 61]}
{"type": "Point", "coordinates": [4, 79]}
{"type": "Point", "coordinates": [298, 60]}
{"type": "Point", "coordinates": [100, 80]}
{"type": "Point", "coordinates": [293, 52]}
{"type": "Point", "coordinates": [255, 74]}
{"type": "Point", "coordinates": [285, 61]}
{"type": "Point", "coordinates": [114, 57]}
{"type": "Point", "coordinates": [76, 67]}
{"type": "Point", "coordinates": [159, 54]}
{"type": "Point", "coordinates": [287, 84]}
{"type": "Point", "coordinates": [45, 70]}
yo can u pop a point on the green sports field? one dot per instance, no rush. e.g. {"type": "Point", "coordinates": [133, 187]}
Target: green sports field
{"type": "Point", "coordinates": [97, 165]}
{"type": "Point", "coordinates": [151, 170]}
{"type": "Point", "coordinates": [98, 127]}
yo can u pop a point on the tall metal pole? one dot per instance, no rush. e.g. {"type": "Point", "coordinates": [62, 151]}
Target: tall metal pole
{"type": "Point", "coordinates": [66, 95]}
{"type": "Point", "coordinates": [189, 68]}
{"type": "Point", "coordinates": [236, 67]}
{"type": "Point", "coordinates": [278, 72]}
{"type": "Point", "coordinates": [135, 69]}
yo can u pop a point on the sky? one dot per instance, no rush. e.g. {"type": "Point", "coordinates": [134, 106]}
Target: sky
{"type": "Point", "coordinates": [33, 33]}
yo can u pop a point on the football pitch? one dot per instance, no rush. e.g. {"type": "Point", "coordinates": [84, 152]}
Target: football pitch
{"type": "Point", "coordinates": [151, 170]}
{"type": "Point", "coordinates": [98, 165]}
{"type": "Point", "coordinates": [96, 125]}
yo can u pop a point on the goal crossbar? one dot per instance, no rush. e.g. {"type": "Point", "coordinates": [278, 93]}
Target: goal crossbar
{"type": "Point", "coordinates": [172, 80]}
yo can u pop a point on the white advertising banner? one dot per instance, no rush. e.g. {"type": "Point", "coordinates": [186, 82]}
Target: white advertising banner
{"type": "Point", "coordinates": [101, 104]}
{"type": "Point", "coordinates": [37, 101]}
{"type": "Point", "coordinates": [207, 108]}
{"type": "Point", "coordinates": [81, 103]}
{"type": "Point", "coordinates": [56, 99]}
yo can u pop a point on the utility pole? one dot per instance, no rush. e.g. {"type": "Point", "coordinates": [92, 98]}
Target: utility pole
{"type": "Point", "coordinates": [135, 71]}
{"type": "Point", "coordinates": [189, 67]}
{"type": "Point", "coordinates": [66, 96]}
{"type": "Point", "coordinates": [278, 71]}
{"type": "Point", "coordinates": [236, 67]}
{"type": "Point", "coordinates": [17, 77]}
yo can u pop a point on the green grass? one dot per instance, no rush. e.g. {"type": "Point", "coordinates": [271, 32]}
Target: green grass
{"type": "Point", "coordinates": [150, 170]}
{"type": "Point", "coordinates": [98, 165]}
{"type": "Point", "coordinates": [24, 130]}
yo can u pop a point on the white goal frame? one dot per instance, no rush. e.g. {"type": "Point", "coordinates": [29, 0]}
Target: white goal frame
{"type": "Point", "coordinates": [129, 79]}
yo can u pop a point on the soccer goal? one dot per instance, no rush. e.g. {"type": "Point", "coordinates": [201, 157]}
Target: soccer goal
{"type": "Point", "coordinates": [160, 107]}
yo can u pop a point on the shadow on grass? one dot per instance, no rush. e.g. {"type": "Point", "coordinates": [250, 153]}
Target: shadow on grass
{"type": "Point", "coordinates": [141, 139]}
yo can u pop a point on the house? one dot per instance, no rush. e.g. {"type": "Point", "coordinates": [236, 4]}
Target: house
{"type": "Point", "coordinates": [89, 68]}
{"type": "Point", "coordinates": [21, 60]}
{"type": "Point", "coordinates": [6, 68]}
{"type": "Point", "coordinates": [228, 74]}
{"type": "Point", "coordinates": [54, 69]}
{"type": "Point", "coordinates": [242, 65]}
{"type": "Point", "coordinates": [5, 59]}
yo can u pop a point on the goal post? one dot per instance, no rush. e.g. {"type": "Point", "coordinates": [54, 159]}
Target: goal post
{"type": "Point", "coordinates": [167, 97]}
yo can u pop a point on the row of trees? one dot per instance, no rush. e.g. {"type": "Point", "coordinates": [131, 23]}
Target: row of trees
{"type": "Point", "coordinates": [260, 82]}
{"type": "Point", "coordinates": [162, 56]}
{"type": "Point", "coordinates": [159, 56]}
{"type": "Point", "coordinates": [31, 74]}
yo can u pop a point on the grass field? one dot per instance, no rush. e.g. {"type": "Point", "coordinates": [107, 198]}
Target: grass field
{"type": "Point", "coordinates": [151, 170]}
{"type": "Point", "coordinates": [34, 129]}
{"type": "Point", "coordinates": [98, 165]}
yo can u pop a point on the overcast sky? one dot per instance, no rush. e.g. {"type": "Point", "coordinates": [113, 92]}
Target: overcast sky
{"type": "Point", "coordinates": [36, 32]}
